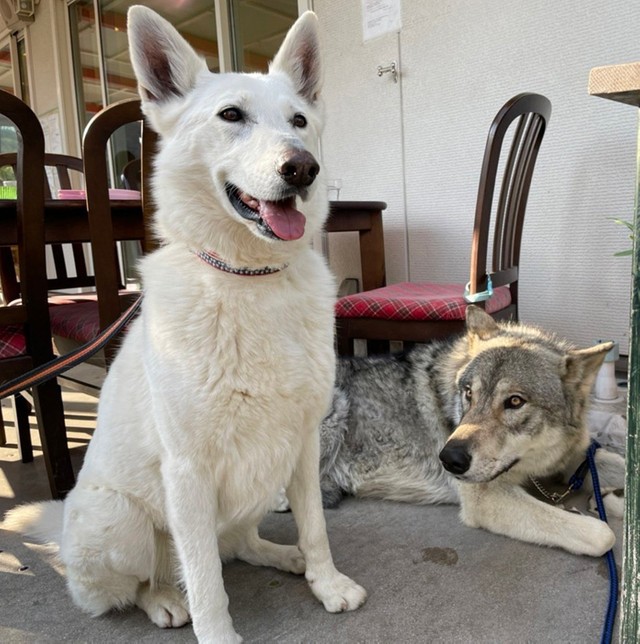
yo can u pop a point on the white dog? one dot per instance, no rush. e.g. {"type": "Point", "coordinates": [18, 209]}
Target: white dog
{"type": "Point", "coordinates": [214, 401]}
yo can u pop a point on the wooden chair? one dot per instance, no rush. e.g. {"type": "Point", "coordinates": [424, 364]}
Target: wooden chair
{"type": "Point", "coordinates": [81, 321]}
{"type": "Point", "coordinates": [25, 333]}
{"type": "Point", "coordinates": [421, 311]}
{"type": "Point", "coordinates": [70, 269]}
{"type": "Point", "coordinates": [103, 240]}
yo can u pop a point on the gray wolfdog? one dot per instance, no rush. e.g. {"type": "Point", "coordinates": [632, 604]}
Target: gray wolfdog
{"type": "Point", "coordinates": [469, 421]}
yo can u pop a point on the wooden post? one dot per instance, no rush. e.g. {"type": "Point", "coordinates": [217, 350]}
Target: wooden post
{"type": "Point", "coordinates": [622, 83]}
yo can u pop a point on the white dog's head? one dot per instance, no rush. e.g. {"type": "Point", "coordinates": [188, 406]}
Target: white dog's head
{"type": "Point", "coordinates": [237, 172]}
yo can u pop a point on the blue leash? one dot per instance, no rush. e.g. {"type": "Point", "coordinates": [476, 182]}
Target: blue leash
{"type": "Point", "coordinates": [607, 630]}
{"type": "Point", "coordinates": [575, 483]}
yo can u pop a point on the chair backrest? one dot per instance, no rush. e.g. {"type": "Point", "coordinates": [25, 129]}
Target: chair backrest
{"type": "Point", "coordinates": [529, 115]}
{"type": "Point", "coordinates": [103, 240]}
{"type": "Point", "coordinates": [67, 274]}
{"type": "Point", "coordinates": [32, 313]}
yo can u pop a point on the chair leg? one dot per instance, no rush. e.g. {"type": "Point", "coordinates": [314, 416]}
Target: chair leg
{"type": "Point", "coordinates": [21, 410]}
{"type": "Point", "coordinates": [47, 398]}
{"type": "Point", "coordinates": [3, 434]}
{"type": "Point", "coordinates": [378, 347]}
{"type": "Point", "coordinates": [344, 344]}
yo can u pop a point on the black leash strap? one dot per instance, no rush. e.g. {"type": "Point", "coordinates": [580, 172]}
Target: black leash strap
{"type": "Point", "coordinates": [59, 365]}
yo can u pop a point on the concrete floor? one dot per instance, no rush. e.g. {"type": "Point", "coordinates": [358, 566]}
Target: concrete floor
{"type": "Point", "coordinates": [429, 578]}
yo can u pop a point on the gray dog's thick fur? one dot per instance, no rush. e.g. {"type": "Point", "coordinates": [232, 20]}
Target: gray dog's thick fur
{"type": "Point", "coordinates": [511, 398]}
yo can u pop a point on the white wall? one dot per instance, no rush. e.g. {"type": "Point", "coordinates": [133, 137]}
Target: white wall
{"type": "Point", "coordinates": [418, 145]}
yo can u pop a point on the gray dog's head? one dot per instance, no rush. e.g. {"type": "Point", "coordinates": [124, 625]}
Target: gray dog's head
{"type": "Point", "coordinates": [522, 397]}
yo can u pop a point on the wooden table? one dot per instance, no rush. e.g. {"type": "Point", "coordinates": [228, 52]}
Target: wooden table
{"type": "Point", "coordinates": [66, 221]}
{"type": "Point", "coordinates": [365, 217]}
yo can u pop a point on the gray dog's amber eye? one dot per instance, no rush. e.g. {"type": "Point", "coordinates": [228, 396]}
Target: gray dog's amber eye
{"type": "Point", "coordinates": [467, 393]}
{"type": "Point", "coordinates": [231, 114]}
{"type": "Point", "coordinates": [299, 120]}
{"type": "Point", "coordinates": [514, 402]}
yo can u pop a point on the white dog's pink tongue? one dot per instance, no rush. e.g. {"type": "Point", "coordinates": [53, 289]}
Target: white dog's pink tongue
{"type": "Point", "coordinates": [284, 220]}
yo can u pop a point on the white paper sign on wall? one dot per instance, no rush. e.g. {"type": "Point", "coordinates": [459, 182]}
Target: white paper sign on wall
{"type": "Point", "coordinates": [380, 17]}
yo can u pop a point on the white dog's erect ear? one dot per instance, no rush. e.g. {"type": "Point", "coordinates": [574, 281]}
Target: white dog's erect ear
{"type": "Point", "coordinates": [299, 57]}
{"type": "Point", "coordinates": [165, 64]}
{"type": "Point", "coordinates": [480, 323]}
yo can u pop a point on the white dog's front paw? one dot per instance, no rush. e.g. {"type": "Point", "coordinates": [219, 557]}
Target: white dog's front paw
{"type": "Point", "coordinates": [338, 593]}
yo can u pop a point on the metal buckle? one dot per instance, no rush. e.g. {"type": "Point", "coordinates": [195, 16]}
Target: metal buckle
{"type": "Point", "coordinates": [479, 297]}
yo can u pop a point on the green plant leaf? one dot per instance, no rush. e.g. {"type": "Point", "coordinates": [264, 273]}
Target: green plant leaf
{"type": "Point", "coordinates": [623, 222]}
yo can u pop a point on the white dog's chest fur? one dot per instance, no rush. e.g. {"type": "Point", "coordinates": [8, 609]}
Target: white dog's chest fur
{"type": "Point", "coordinates": [230, 390]}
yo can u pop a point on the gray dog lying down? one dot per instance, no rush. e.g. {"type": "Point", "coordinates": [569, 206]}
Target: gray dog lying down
{"type": "Point", "coordinates": [469, 421]}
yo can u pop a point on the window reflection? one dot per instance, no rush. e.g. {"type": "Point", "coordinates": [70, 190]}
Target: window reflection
{"type": "Point", "coordinates": [259, 27]}
{"type": "Point", "coordinates": [6, 74]}
{"type": "Point", "coordinates": [101, 59]}
{"type": "Point", "coordinates": [86, 60]}
{"type": "Point", "coordinates": [22, 70]}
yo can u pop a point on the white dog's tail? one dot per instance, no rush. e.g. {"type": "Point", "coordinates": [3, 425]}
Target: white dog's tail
{"type": "Point", "coordinates": [42, 521]}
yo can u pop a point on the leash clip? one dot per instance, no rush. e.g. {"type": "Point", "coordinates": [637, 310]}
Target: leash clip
{"type": "Point", "coordinates": [479, 297]}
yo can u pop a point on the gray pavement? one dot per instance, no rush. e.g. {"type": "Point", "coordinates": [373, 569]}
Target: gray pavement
{"type": "Point", "coordinates": [429, 579]}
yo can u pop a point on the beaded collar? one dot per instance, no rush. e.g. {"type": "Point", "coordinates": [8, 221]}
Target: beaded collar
{"type": "Point", "coordinates": [213, 260]}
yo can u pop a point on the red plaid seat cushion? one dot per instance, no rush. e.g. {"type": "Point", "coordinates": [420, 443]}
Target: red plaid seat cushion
{"type": "Point", "coordinates": [416, 301]}
{"type": "Point", "coordinates": [12, 342]}
{"type": "Point", "coordinates": [76, 317]}
{"type": "Point", "coordinates": [77, 321]}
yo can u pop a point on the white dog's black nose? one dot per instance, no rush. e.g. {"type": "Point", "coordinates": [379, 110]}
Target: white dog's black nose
{"type": "Point", "coordinates": [455, 457]}
{"type": "Point", "coordinates": [299, 168]}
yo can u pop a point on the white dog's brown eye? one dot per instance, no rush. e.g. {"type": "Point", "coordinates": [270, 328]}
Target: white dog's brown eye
{"type": "Point", "coordinates": [299, 120]}
{"type": "Point", "coordinates": [514, 402]}
{"type": "Point", "coordinates": [232, 114]}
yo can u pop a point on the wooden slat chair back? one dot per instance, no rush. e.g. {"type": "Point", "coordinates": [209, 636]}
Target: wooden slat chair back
{"type": "Point", "coordinates": [421, 311]}
{"type": "Point", "coordinates": [25, 333]}
{"type": "Point", "coordinates": [529, 113]}
{"type": "Point", "coordinates": [68, 274]}
{"type": "Point", "coordinates": [103, 240]}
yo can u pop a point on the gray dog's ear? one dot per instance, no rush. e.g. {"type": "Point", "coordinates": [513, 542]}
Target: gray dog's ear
{"type": "Point", "coordinates": [581, 366]}
{"type": "Point", "coordinates": [164, 63]}
{"type": "Point", "coordinates": [299, 57]}
{"type": "Point", "coordinates": [480, 323]}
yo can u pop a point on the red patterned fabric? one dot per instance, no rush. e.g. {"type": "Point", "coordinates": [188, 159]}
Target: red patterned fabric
{"type": "Point", "coordinates": [77, 321]}
{"type": "Point", "coordinates": [76, 317]}
{"type": "Point", "coordinates": [415, 301]}
{"type": "Point", "coordinates": [12, 342]}
{"type": "Point", "coordinates": [72, 316]}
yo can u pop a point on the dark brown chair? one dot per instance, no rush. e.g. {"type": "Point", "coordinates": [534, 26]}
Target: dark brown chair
{"type": "Point", "coordinates": [68, 274]}
{"type": "Point", "coordinates": [25, 333]}
{"type": "Point", "coordinates": [80, 322]}
{"type": "Point", "coordinates": [421, 311]}
{"type": "Point", "coordinates": [74, 317]}
{"type": "Point", "coordinates": [111, 304]}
